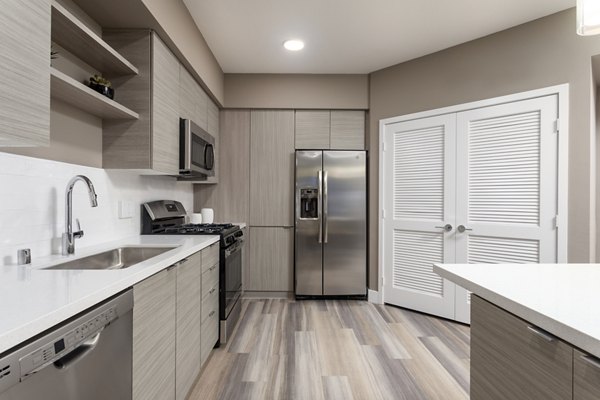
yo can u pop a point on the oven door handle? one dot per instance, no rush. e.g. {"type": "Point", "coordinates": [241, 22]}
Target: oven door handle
{"type": "Point", "coordinates": [233, 249]}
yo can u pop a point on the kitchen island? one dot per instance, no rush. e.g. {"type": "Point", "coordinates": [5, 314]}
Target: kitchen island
{"type": "Point", "coordinates": [535, 331]}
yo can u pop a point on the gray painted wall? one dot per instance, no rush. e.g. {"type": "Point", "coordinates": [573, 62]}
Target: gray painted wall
{"type": "Point", "coordinates": [538, 54]}
{"type": "Point", "coordinates": [297, 91]}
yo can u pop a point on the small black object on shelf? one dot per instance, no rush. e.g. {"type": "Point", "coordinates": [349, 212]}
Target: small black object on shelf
{"type": "Point", "coordinates": [102, 86]}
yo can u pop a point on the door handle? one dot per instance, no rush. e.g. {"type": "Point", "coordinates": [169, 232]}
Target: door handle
{"type": "Point", "coordinates": [446, 228]}
{"type": "Point", "coordinates": [462, 229]}
{"type": "Point", "coordinates": [320, 205]}
{"type": "Point", "coordinates": [79, 352]}
{"type": "Point", "coordinates": [541, 333]}
{"type": "Point", "coordinates": [591, 360]}
{"type": "Point", "coordinates": [325, 208]}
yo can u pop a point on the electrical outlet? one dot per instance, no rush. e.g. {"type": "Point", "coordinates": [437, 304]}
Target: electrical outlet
{"type": "Point", "coordinates": [125, 209]}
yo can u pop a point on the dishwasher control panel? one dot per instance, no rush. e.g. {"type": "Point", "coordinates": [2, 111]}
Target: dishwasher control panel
{"type": "Point", "coordinates": [50, 352]}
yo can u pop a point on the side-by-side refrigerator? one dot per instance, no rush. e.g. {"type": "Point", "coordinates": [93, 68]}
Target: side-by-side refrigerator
{"type": "Point", "coordinates": [331, 223]}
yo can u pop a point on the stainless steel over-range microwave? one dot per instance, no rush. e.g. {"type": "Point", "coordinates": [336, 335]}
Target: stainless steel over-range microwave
{"type": "Point", "coordinates": [196, 151]}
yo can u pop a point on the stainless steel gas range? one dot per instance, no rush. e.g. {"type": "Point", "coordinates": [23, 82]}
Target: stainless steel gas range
{"type": "Point", "coordinates": [167, 217]}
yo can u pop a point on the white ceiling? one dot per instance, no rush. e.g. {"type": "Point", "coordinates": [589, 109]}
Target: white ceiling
{"type": "Point", "coordinates": [350, 36]}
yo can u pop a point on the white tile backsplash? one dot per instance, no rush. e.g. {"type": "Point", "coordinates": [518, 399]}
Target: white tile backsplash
{"type": "Point", "coordinates": [32, 202]}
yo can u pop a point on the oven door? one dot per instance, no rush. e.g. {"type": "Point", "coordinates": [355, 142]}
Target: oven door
{"type": "Point", "coordinates": [197, 150]}
{"type": "Point", "coordinates": [231, 277]}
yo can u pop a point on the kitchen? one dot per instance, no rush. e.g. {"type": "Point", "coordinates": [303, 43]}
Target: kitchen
{"type": "Point", "coordinates": [263, 106]}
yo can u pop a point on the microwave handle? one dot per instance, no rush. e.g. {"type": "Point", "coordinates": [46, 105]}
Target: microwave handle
{"type": "Point", "coordinates": [209, 156]}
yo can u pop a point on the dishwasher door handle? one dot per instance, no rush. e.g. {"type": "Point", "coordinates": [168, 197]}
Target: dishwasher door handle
{"type": "Point", "coordinates": [79, 352]}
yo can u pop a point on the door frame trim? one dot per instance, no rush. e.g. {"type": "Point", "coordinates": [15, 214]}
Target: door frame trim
{"type": "Point", "coordinates": [562, 93]}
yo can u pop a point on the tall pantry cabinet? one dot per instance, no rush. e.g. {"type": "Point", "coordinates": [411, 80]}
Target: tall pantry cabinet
{"type": "Point", "coordinates": [271, 201]}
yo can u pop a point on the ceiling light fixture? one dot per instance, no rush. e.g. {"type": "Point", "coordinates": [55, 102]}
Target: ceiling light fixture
{"type": "Point", "coordinates": [293, 45]}
{"type": "Point", "coordinates": [588, 17]}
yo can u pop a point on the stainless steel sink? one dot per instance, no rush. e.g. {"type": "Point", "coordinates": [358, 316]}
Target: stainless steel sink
{"type": "Point", "coordinates": [122, 257]}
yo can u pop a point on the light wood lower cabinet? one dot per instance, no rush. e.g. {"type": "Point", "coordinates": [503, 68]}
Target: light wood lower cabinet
{"type": "Point", "coordinates": [512, 359]}
{"type": "Point", "coordinates": [188, 343]}
{"type": "Point", "coordinates": [175, 327]}
{"type": "Point", "coordinates": [210, 306]}
{"type": "Point", "coordinates": [586, 376]}
{"type": "Point", "coordinates": [153, 337]}
{"type": "Point", "coordinates": [271, 260]}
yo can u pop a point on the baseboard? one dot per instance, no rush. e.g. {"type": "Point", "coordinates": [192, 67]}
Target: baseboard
{"type": "Point", "coordinates": [374, 297]}
{"type": "Point", "coordinates": [267, 295]}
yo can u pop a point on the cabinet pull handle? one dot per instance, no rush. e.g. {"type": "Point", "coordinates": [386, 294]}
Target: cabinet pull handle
{"type": "Point", "coordinates": [212, 291]}
{"type": "Point", "coordinates": [212, 268]}
{"type": "Point", "coordinates": [541, 333]}
{"type": "Point", "coordinates": [593, 361]}
{"type": "Point", "coordinates": [211, 314]}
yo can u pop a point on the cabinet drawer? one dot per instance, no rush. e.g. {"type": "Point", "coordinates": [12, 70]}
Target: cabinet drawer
{"type": "Point", "coordinates": [210, 280]}
{"type": "Point", "coordinates": [512, 359]}
{"type": "Point", "coordinates": [210, 334]}
{"type": "Point", "coordinates": [210, 256]}
{"type": "Point", "coordinates": [210, 303]}
{"type": "Point", "coordinates": [586, 375]}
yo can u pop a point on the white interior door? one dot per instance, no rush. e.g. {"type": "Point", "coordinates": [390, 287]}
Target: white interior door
{"type": "Point", "coordinates": [418, 201]}
{"type": "Point", "coordinates": [506, 186]}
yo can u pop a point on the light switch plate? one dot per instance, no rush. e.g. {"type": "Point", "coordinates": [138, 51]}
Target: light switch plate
{"type": "Point", "coordinates": [125, 209]}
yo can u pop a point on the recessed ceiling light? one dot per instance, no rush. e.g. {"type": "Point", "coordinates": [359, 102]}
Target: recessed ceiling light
{"type": "Point", "coordinates": [293, 45]}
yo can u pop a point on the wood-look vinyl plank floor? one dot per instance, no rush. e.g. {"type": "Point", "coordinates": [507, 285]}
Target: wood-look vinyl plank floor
{"type": "Point", "coordinates": [337, 349]}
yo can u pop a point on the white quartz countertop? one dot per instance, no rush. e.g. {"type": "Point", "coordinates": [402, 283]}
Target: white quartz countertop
{"type": "Point", "coordinates": [562, 299]}
{"type": "Point", "coordinates": [35, 299]}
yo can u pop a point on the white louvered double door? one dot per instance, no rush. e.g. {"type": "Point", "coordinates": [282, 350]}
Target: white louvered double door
{"type": "Point", "coordinates": [478, 186]}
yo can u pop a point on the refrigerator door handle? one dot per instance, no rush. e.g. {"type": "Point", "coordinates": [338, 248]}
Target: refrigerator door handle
{"type": "Point", "coordinates": [325, 208]}
{"type": "Point", "coordinates": [320, 201]}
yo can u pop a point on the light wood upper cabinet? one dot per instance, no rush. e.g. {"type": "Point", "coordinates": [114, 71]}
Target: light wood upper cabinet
{"type": "Point", "coordinates": [165, 109]}
{"type": "Point", "coordinates": [188, 341]}
{"type": "Point", "coordinates": [192, 99]}
{"type": "Point", "coordinates": [230, 197]}
{"type": "Point", "coordinates": [153, 337]}
{"type": "Point", "coordinates": [347, 130]}
{"type": "Point", "coordinates": [271, 168]}
{"type": "Point", "coordinates": [187, 95]}
{"type": "Point", "coordinates": [25, 73]}
{"type": "Point", "coordinates": [213, 119]}
{"type": "Point", "coordinates": [152, 142]}
{"type": "Point", "coordinates": [271, 260]}
{"type": "Point", "coordinates": [330, 130]}
{"type": "Point", "coordinates": [213, 129]}
{"type": "Point", "coordinates": [312, 129]}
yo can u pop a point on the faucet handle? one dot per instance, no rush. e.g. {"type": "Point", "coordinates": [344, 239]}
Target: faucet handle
{"type": "Point", "coordinates": [79, 233]}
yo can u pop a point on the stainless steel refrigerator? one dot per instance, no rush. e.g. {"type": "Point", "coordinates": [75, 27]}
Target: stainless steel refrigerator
{"type": "Point", "coordinates": [331, 223]}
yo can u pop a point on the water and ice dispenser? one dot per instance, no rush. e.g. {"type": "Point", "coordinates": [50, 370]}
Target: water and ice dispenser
{"type": "Point", "coordinates": [309, 203]}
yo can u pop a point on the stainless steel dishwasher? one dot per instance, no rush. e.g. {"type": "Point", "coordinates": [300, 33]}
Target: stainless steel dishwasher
{"type": "Point", "coordinates": [86, 357]}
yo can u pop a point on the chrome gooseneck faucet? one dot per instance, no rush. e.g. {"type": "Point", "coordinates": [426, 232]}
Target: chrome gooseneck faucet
{"type": "Point", "coordinates": [68, 238]}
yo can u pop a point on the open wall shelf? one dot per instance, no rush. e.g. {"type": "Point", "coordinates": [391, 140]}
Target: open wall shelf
{"type": "Point", "coordinates": [74, 36]}
{"type": "Point", "coordinates": [67, 89]}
